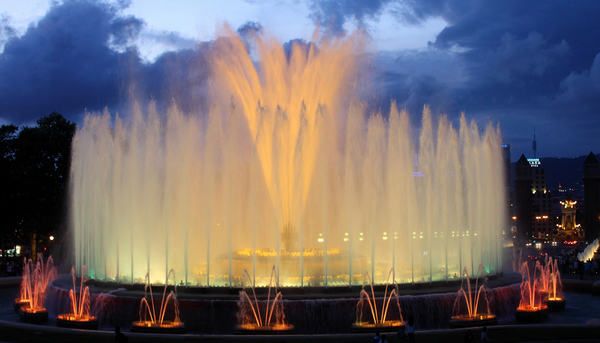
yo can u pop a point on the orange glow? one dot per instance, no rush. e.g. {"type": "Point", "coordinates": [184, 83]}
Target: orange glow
{"type": "Point", "coordinates": [74, 318]}
{"type": "Point", "coordinates": [296, 86]}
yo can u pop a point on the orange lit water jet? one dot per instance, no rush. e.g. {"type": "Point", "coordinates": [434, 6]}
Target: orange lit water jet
{"type": "Point", "coordinates": [378, 320]}
{"type": "Point", "coordinates": [285, 162]}
{"type": "Point", "coordinates": [532, 307]}
{"type": "Point", "coordinates": [250, 315]}
{"type": "Point", "coordinates": [35, 279]}
{"type": "Point", "coordinates": [149, 321]}
{"type": "Point", "coordinates": [80, 306]}
{"type": "Point", "coordinates": [473, 317]}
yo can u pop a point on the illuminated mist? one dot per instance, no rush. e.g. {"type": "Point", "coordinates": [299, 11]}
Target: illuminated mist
{"type": "Point", "coordinates": [287, 168]}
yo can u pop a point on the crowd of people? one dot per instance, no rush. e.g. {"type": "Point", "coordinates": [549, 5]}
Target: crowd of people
{"type": "Point", "coordinates": [569, 264]}
{"type": "Point", "coordinates": [10, 268]}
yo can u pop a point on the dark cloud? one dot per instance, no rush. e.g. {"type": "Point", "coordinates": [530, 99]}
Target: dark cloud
{"type": "Point", "coordinates": [525, 62]}
{"type": "Point", "coordinates": [63, 63]}
{"type": "Point", "coordinates": [250, 28]}
{"type": "Point", "coordinates": [80, 56]}
{"type": "Point", "coordinates": [6, 30]}
{"type": "Point", "coordinates": [331, 15]}
{"type": "Point", "coordinates": [170, 39]}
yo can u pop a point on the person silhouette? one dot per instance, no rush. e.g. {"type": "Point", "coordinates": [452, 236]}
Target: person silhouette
{"type": "Point", "coordinates": [410, 329]}
{"type": "Point", "coordinates": [469, 337]}
{"type": "Point", "coordinates": [119, 336]}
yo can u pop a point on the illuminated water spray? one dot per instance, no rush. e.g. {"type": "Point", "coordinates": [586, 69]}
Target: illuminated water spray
{"type": "Point", "coordinates": [287, 168]}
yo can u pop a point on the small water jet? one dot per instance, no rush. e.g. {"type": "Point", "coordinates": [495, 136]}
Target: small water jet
{"type": "Point", "coordinates": [555, 300]}
{"type": "Point", "coordinates": [473, 317]}
{"type": "Point", "coordinates": [531, 307]}
{"type": "Point", "coordinates": [33, 290]}
{"type": "Point", "coordinates": [250, 318]}
{"type": "Point", "coordinates": [379, 321]}
{"type": "Point", "coordinates": [151, 323]}
{"type": "Point", "coordinates": [80, 318]}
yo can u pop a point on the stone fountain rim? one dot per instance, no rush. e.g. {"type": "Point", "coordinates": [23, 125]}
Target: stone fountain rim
{"type": "Point", "coordinates": [290, 293]}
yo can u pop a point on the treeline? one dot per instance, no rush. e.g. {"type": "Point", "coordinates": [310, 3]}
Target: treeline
{"type": "Point", "coordinates": [34, 172]}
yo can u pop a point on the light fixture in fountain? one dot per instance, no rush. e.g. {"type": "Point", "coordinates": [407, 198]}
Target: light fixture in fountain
{"type": "Point", "coordinates": [33, 289]}
{"type": "Point", "coordinates": [80, 318]}
{"type": "Point", "coordinates": [379, 321]}
{"type": "Point", "coordinates": [250, 315]}
{"type": "Point", "coordinates": [151, 323]}
{"type": "Point", "coordinates": [531, 308]}
{"type": "Point", "coordinates": [555, 300]}
{"type": "Point", "coordinates": [473, 316]}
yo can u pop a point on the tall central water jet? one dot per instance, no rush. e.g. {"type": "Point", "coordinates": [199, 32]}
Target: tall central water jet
{"type": "Point", "coordinates": [287, 168]}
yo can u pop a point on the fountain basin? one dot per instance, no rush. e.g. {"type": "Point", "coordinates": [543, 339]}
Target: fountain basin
{"type": "Point", "coordinates": [275, 329]}
{"type": "Point", "coordinates": [20, 303]}
{"type": "Point", "coordinates": [466, 321]}
{"type": "Point", "coordinates": [166, 327]}
{"type": "Point", "coordinates": [556, 304]}
{"type": "Point", "coordinates": [388, 326]}
{"type": "Point", "coordinates": [75, 322]}
{"type": "Point", "coordinates": [37, 316]}
{"type": "Point", "coordinates": [531, 316]}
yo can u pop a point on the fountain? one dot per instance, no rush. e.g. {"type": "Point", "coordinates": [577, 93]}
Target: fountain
{"type": "Point", "coordinates": [250, 315]}
{"type": "Point", "coordinates": [287, 162]}
{"type": "Point", "coordinates": [33, 290]}
{"type": "Point", "coordinates": [151, 323]}
{"type": "Point", "coordinates": [379, 321]}
{"type": "Point", "coordinates": [531, 308]}
{"type": "Point", "coordinates": [80, 318]}
{"type": "Point", "coordinates": [589, 251]}
{"type": "Point", "coordinates": [555, 300]}
{"type": "Point", "coordinates": [473, 317]}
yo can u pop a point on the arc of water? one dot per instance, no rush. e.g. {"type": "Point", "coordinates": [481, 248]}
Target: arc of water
{"type": "Point", "coordinates": [269, 297]}
{"type": "Point", "coordinates": [256, 316]}
{"type": "Point", "coordinates": [147, 287]}
{"type": "Point", "coordinates": [256, 311]}
{"type": "Point", "coordinates": [384, 306]}
{"type": "Point", "coordinates": [144, 301]}
{"type": "Point", "coordinates": [163, 305]}
{"type": "Point", "coordinates": [277, 298]}
{"type": "Point", "coordinates": [374, 305]}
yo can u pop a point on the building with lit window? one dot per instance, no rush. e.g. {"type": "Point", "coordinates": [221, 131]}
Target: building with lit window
{"type": "Point", "coordinates": [541, 203]}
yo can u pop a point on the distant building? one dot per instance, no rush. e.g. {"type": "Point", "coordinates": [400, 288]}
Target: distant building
{"type": "Point", "coordinates": [541, 203]}
{"type": "Point", "coordinates": [591, 184]}
{"type": "Point", "coordinates": [523, 199]}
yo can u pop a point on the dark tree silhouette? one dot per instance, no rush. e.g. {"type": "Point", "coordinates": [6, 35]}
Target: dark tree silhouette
{"type": "Point", "coordinates": [37, 162]}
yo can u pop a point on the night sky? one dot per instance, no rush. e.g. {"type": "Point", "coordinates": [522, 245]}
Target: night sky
{"type": "Point", "coordinates": [521, 64]}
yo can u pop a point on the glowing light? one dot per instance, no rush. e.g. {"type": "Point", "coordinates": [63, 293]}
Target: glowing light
{"type": "Point", "coordinates": [51, 238]}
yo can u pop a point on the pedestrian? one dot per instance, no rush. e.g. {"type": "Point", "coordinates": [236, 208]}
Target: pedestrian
{"type": "Point", "coordinates": [469, 338]}
{"type": "Point", "coordinates": [402, 334]}
{"type": "Point", "coordinates": [383, 340]}
{"type": "Point", "coordinates": [484, 336]}
{"type": "Point", "coordinates": [410, 329]}
{"type": "Point", "coordinates": [377, 338]}
{"type": "Point", "coordinates": [119, 336]}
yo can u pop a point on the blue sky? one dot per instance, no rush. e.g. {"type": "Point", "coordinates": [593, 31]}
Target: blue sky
{"type": "Point", "coordinates": [517, 63]}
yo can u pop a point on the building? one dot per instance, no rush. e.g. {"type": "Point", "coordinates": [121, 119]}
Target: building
{"type": "Point", "coordinates": [523, 199]}
{"type": "Point", "coordinates": [591, 184]}
{"type": "Point", "coordinates": [541, 203]}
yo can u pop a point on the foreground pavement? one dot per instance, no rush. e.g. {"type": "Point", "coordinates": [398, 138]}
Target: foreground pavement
{"type": "Point", "coordinates": [25, 333]}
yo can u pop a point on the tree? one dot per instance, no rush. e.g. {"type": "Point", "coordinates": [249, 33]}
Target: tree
{"type": "Point", "coordinates": [8, 137]}
{"type": "Point", "coordinates": [39, 158]}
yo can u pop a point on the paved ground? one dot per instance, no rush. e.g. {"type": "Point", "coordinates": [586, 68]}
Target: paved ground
{"type": "Point", "coordinates": [23, 333]}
